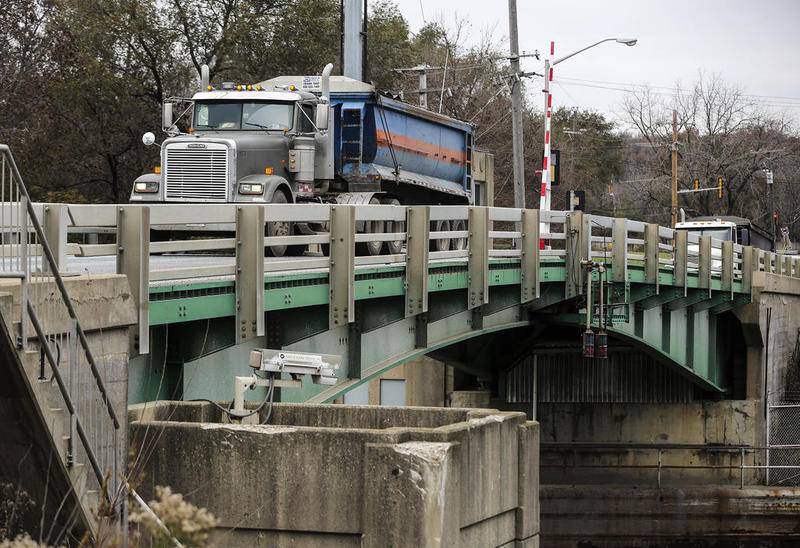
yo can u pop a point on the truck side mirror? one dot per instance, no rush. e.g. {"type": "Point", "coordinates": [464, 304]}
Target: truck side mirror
{"type": "Point", "coordinates": [166, 116]}
{"type": "Point", "coordinates": [322, 116]}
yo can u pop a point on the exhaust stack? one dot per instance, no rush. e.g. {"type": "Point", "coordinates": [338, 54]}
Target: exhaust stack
{"type": "Point", "coordinates": [204, 78]}
{"type": "Point", "coordinates": [326, 81]}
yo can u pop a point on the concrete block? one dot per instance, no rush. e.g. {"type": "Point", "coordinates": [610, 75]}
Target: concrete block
{"type": "Point", "coordinates": [410, 493]}
{"type": "Point", "coordinates": [470, 398]}
{"type": "Point", "coordinates": [527, 522]}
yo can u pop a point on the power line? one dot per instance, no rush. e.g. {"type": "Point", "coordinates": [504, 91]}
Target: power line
{"type": "Point", "coordinates": [672, 88]}
{"type": "Point", "coordinates": [675, 93]}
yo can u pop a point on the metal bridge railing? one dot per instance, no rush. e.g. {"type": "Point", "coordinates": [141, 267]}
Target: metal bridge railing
{"type": "Point", "coordinates": [237, 242]}
{"type": "Point", "coordinates": [47, 323]}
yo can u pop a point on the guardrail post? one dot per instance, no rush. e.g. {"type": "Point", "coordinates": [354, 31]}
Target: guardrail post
{"type": "Point", "coordinates": [705, 257]}
{"type": "Point", "coordinates": [417, 248]}
{"type": "Point", "coordinates": [787, 266]}
{"type": "Point", "coordinates": [681, 259]}
{"type": "Point", "coordinates": [749, 262]}
{"type": "Point", "coordinates": [576, 252]}
{"type": "Point", "coordinates": [133, 260]}
{"type": "Point", "coordinates": [651, 250]}
{"type": "Point", "coordinates": [55, 232]}
{"type": "Point", "coordinates": [418, 226]}
{"type": "Point", "coordinates": [478, 264]}
{"type": "Point", "coordinates": [619, 251]}
{"type": "Point", "coordinates": [726, 278]}
{"type": "Point", "coordinates": [529, 256]}
{"type": "Point", "coordinates": [249, 272]}
{"type": "Point", "coordinates": [341, 276]}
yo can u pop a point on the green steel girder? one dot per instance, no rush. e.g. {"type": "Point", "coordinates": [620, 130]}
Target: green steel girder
{"type": "Point", "coordinates": [666, 295]}
{"type": "Point", "coordinates": [694, 297]}
{"type": "Point", "coordinates": [676, 324]}
{"type": "Point", "coordinates": [651, 343]}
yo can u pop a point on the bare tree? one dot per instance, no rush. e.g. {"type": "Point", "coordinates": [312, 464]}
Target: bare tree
{"type": "Point", "coordinates": [723, 134]}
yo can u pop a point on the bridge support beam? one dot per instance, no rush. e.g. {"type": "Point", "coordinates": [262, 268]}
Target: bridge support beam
{"type": "Point", "coordinates": [249, 272]}
{"type": "Point", "coordinates": [133, 260]}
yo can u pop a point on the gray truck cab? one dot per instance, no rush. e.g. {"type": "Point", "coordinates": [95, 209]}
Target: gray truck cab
{"type": "Point", "coordinates": [244, 144]}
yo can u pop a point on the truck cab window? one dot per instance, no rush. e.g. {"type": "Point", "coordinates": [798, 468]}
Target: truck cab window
{"type": "Point", "coordinates": [244, 115]}
{"type": "Point", "coordinates": [218, 115]}
{"type": "Point", "coordinates": [267, 116]}
{"type": "Point", "coordinates": [306, 117]}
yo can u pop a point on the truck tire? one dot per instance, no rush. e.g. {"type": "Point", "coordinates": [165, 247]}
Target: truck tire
{"type": "Point", "coordinates": [278, 228]}
{"type": "Point", "coordinates": [457, 244]}
{"type": "Point", "coordinates": [394, 248]}
{"type": "Point", "coordinates": [372, 227]}
{"type": "Point", "coordinates": [440, 244]}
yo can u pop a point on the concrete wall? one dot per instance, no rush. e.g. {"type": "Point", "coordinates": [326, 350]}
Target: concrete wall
{"type": "Point", "coordinates": [427, 383]}
{"type": "Point", "coordinates": [610, 442]}
{"type": "Point", "coordinates": [616, 517]}
{"type": "Point", "coordinates": [349, 475]}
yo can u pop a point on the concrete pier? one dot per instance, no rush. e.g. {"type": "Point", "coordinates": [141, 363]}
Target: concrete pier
{"type": "Point", "coordinates": [342, 475]}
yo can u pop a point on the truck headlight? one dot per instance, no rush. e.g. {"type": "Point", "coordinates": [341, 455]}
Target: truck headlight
{"type": "Point", "coordinates": [149, 187]}
{"type": "Point", "coordinates": [247, 188]}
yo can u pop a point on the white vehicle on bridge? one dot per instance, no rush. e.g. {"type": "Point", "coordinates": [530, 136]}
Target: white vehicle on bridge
{"type": "Point", "coordinates": [728, 228]}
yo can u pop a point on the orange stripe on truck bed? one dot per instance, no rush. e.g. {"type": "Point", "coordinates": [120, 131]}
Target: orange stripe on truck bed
{"type": "Point", "coordinates": [422, 147]}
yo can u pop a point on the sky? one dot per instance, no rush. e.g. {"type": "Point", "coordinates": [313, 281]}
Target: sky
{"type": "Point", "coordinates": [752, 44]}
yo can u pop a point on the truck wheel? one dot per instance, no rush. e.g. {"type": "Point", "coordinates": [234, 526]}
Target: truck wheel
{"type": "Point", "coordinates": [394, 248]}
{"type": "Point", "coordinates": [278, 228]}
{"type": "Point", "coordinates": [442, 244]}
{"type": "Point", "coordinates": [371, 227]}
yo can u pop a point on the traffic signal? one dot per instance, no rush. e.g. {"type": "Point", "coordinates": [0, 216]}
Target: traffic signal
{"type": "Point", "coordinates": [697, 184]}
{"type": "Point", "coordinates": [719, 187]}
{"type": "Point", "coordinates": [555, 167]}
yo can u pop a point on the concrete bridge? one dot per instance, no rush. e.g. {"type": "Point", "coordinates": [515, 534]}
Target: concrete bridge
{"type": "Point", "coordinates": [468, 285]}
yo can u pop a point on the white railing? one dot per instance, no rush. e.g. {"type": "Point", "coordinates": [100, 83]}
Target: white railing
{"type": "Point", "coordinates": [48, 323]}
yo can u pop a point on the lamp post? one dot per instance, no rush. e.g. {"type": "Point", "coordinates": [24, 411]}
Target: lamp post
{"type": "Point", "coordinates": [549, 63]}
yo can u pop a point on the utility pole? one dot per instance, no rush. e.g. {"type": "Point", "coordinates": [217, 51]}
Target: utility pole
{"type": "Point", "coordinates": [516, 108]}
{"type": "Point", "coordinates": [770, 205]}
{"type": "Point", "coordinates": [354, 39]}
{"type": "Point", "coordinates": [422, 71]}
{"type": "Point", "coordinates": [674, 167]}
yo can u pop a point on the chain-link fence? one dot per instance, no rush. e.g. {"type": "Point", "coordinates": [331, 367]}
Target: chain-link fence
{"type": "Point", "coordinates": [783, 439]}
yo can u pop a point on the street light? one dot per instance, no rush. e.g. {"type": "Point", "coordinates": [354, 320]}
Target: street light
{"type": "Point", "coordinates": [549, 63]}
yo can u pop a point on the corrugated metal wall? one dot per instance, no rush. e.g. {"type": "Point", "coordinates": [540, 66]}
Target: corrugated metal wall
{"type": "Point", "coordinates": [625, 377]}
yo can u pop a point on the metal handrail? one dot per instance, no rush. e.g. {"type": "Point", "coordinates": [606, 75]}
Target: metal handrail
{"type": "Point", "coordinates": [53, 271]}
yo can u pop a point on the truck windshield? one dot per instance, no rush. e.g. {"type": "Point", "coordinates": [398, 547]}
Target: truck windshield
{"type": "Point", "coordinates": [244, 115]}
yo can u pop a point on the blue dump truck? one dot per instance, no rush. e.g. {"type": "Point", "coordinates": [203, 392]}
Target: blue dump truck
{"type": "Point", "coordinates": [295, 139]}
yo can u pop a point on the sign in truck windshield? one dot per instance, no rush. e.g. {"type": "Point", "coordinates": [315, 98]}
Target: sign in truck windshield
{"type": "Point", "coordinates": [227, 115]}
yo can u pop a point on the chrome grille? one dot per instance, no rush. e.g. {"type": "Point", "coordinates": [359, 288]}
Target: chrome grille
{"type": "Point", "coordinates": [197, 174]}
